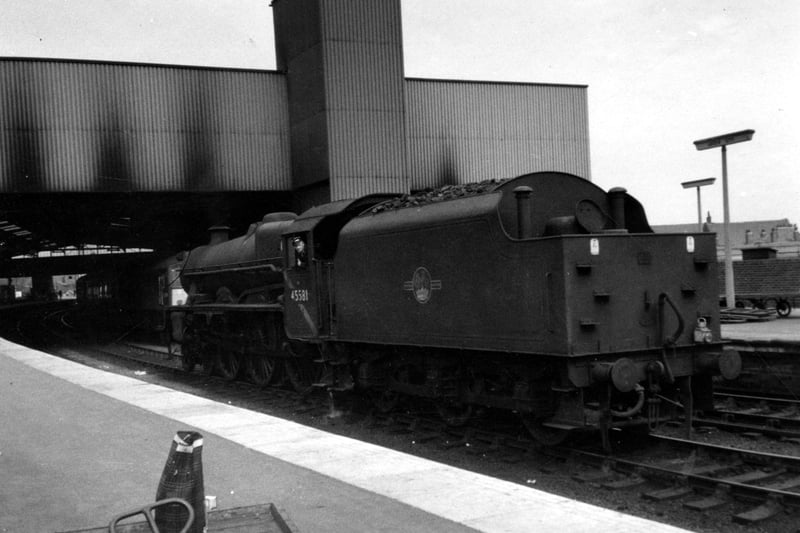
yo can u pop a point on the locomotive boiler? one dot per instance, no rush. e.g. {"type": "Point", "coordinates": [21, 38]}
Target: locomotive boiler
{"type": "Point", "coordinates": [543, 295]}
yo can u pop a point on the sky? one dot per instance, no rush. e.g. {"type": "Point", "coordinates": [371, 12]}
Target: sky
{"type": "Point", "coordinates": [660, 74]}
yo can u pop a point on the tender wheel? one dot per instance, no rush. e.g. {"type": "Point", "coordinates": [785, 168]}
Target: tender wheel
{"type": "Point", "coordinates": [456, 413]}
{"type": "Point", "coordinates": [228, 364]}
{"type": "Point", "coordinates": [544, 435]}
{"type": "Point", "coordinates": [261, 369]}
{"type": "Point", "coordinates": [303, 373]}
{"type": "Point", "coordinates": [384, 400]}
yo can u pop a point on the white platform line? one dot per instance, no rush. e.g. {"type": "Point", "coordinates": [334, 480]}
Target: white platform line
{"type": "Point", "coordinates": [475, 500]}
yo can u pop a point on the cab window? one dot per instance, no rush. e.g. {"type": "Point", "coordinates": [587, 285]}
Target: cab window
{"type": "Point", "coordinates": [297, 251]}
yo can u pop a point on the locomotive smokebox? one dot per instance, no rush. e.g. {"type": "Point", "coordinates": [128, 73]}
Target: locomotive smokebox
{"type": "Point", "coordinates": [218, 234]}
{"type": "Point", "coordinates": [524, 224]}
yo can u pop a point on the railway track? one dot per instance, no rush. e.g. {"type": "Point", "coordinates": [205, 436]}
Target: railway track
{"type": "Point", "coordinates": [158, 365]}
{"type": "Point", "coordinates": [704, 476]}
{"type": "Point", "coordinates": [777, 418]}
{"type": "Point", "coordinates": [770, 368]}
{"type": "Point", "coordinates": [50, 329]}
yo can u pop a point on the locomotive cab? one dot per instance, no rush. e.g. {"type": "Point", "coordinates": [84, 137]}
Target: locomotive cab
{"type": "Point", "coordinates": [309, 245]}
{"type": "Point", "coordinates": [301, 304]}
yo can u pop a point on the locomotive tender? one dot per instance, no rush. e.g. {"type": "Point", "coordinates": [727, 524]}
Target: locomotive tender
{"type": "Point", "coordinates": [543, 295]}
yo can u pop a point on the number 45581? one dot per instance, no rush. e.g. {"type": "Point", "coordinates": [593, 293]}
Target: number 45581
{"type": "Point", "coordinates": [299, 295]}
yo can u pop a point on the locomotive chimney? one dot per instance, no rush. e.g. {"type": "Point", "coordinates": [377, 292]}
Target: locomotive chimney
{"type": "Point", "coordinates": [524, 224]}
{"type": "Point", "coordinates": [617, 197]}
{"type": "Point", "coordinates": [218, 234]}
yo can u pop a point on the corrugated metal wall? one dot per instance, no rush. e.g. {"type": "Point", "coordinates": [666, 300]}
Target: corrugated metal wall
{"type": "Point", "coordinates": [462, 132]}
{"type": "Point", "coordinates": [364, 89]}
{"type": "Point", "coordinates": [344, 64]}
{"type": "Point", "coordinates": [76, 126]}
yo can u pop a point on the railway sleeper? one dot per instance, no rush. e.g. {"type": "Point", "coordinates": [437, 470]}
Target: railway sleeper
{"type": "Point", "coordinates": [766, 510]}
{"type": "Point", "coordinates": [720, 497]}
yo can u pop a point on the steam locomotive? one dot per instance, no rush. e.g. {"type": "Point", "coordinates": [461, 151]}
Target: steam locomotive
{"type": "Point", "coordinates": [542, 295]}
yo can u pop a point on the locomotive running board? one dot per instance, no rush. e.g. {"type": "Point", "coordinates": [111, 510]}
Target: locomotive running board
{"type": "Point", "coordinates": [199, 308]}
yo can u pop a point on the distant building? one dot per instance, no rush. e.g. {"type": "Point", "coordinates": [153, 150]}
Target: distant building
{"type": "Point", "coordinates": [65, 286]}
{"type": "Point", "coordinates": [757, 239]}
{"type": "Point", "coordinates": [19, 288]}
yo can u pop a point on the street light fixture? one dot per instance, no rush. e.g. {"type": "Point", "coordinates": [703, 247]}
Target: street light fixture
{"type": "Point", "coordinates": [698, 184]}
{"type": "Point", "coordinates": [716, 142]}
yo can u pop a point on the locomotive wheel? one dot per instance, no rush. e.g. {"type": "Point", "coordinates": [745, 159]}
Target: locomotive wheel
{"type": "Point", "coordinates": [210, 361]}
{"type": "Point", "coordinates": [189, 351]}
{"type": "Point", "coordinates": [187, 362]}
{"type": "Point", "coordinates": [228, 364]}
{"type": "Point", "coordinates": [544, 435]}
{"type": "Point", "coordinates": [261, 369]}
{"type": "Point", "coordinates": [454, 413]}
{"type": "Point", "coordinates": [303, 373]}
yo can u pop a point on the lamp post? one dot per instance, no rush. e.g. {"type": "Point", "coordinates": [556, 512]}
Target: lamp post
{"type": "Point", "coordinates": [722, 141]}
{"type": "Point", "coordinates": [698, 184]}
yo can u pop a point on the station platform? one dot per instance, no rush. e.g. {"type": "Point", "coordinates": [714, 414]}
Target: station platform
{"type": "Point", "coordinates": [781, 329]}
{"type": "Point", "coordinates": [79, 445]}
